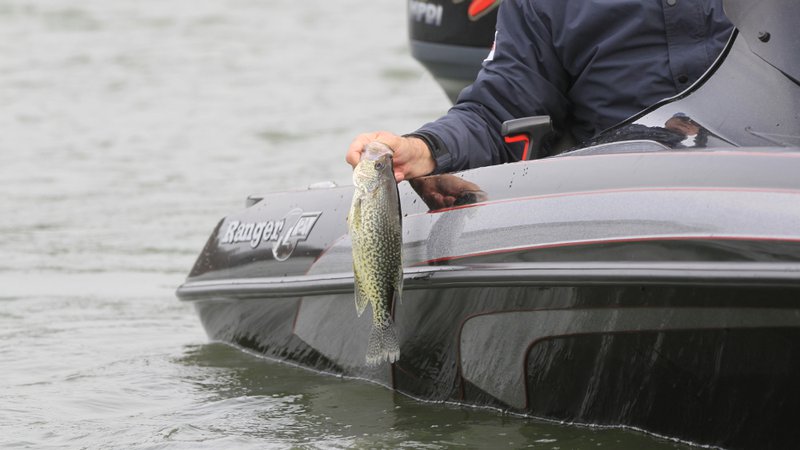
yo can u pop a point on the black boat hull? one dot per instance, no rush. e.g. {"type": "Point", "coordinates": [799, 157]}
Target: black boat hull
{"type": "Point", "coordinates": [659, 291]}
{"type": "Point", "coordinates": [676, 361]}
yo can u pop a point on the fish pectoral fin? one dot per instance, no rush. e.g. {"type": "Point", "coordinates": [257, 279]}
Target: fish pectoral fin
{"type": "Point", "coordinates": [354, 217]}
{"type": "Point", "coordinates": [361, 299]}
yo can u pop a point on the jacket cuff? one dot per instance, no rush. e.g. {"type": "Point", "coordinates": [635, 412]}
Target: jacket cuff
{"type": "Point", "coordinates": [441, 156]}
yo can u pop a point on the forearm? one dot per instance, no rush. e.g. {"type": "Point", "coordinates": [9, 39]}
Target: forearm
{"type": "Point", "coordinates": [524, 78]}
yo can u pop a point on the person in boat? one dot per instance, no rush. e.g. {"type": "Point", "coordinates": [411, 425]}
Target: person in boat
{"type": "Point", "coordinates": [588, 64]}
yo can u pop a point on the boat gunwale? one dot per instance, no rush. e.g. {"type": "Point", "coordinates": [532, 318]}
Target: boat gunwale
{"type": "Point", "coordinates": [742, 274]}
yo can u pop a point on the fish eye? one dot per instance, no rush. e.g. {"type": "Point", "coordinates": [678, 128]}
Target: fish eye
{"type": "Point", "coordinates": [379, 166]}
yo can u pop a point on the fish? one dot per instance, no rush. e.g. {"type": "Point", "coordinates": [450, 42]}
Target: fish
{"type": "Point", "coordinates": [376, 232]}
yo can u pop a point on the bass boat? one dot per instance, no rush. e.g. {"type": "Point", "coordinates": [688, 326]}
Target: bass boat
{"type": "Point", "coordinates": [649, 279]}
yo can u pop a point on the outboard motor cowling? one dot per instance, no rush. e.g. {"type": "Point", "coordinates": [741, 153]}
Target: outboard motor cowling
{"type": "Point", "coordinates": [451, 38]}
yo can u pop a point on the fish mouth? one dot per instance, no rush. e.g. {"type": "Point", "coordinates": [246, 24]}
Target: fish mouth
{"type": "Point", "coordinates": [375, 150]}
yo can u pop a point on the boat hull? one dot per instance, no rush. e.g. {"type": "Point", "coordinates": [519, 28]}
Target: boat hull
{"type": "Point", "coordinates": [659, 291]}
{"type": "Point", "coordinates": [709, 364]}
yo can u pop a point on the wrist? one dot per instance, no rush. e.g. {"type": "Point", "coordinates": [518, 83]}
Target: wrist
{"type": "Point", "coordinates": [422, 154]}
{"type": "Point", "coordinates": [437, 153]}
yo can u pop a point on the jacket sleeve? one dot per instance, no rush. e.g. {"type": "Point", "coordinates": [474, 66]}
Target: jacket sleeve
{"type": "Point", "coordinates": [523, 77]}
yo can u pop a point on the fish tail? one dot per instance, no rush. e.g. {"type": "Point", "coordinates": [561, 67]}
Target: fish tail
{"type": "Point", "coordinates": [383, 344]}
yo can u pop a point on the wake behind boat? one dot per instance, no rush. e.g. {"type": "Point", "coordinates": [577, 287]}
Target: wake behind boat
{"type": "Point", "coordinates": [650, 279]}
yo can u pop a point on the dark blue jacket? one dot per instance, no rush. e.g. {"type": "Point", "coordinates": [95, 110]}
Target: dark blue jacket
{"type": "Point", "coordinates": [587, 63]}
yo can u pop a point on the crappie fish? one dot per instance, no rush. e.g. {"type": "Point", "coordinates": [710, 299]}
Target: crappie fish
{"type": "Point", "coordinates": [376, 234]}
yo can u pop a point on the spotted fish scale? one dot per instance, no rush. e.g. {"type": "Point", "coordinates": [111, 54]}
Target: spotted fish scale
{"type": "Point", "coordinates": [376, 234]}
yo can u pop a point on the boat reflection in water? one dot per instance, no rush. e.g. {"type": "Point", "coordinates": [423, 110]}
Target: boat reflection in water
{"type": "Point", "coordinates": [649, 279]}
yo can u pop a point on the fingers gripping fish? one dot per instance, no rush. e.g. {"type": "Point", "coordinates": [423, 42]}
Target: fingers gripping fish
{"type": "Point", "coordinates": [376, 233]}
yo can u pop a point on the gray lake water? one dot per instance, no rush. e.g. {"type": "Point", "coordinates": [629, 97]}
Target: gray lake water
{"type": "Point", "coordinates": [127, 129]}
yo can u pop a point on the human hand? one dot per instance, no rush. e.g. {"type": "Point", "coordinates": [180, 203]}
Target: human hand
{"type": "Point", "coordinates": [411, 158]}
